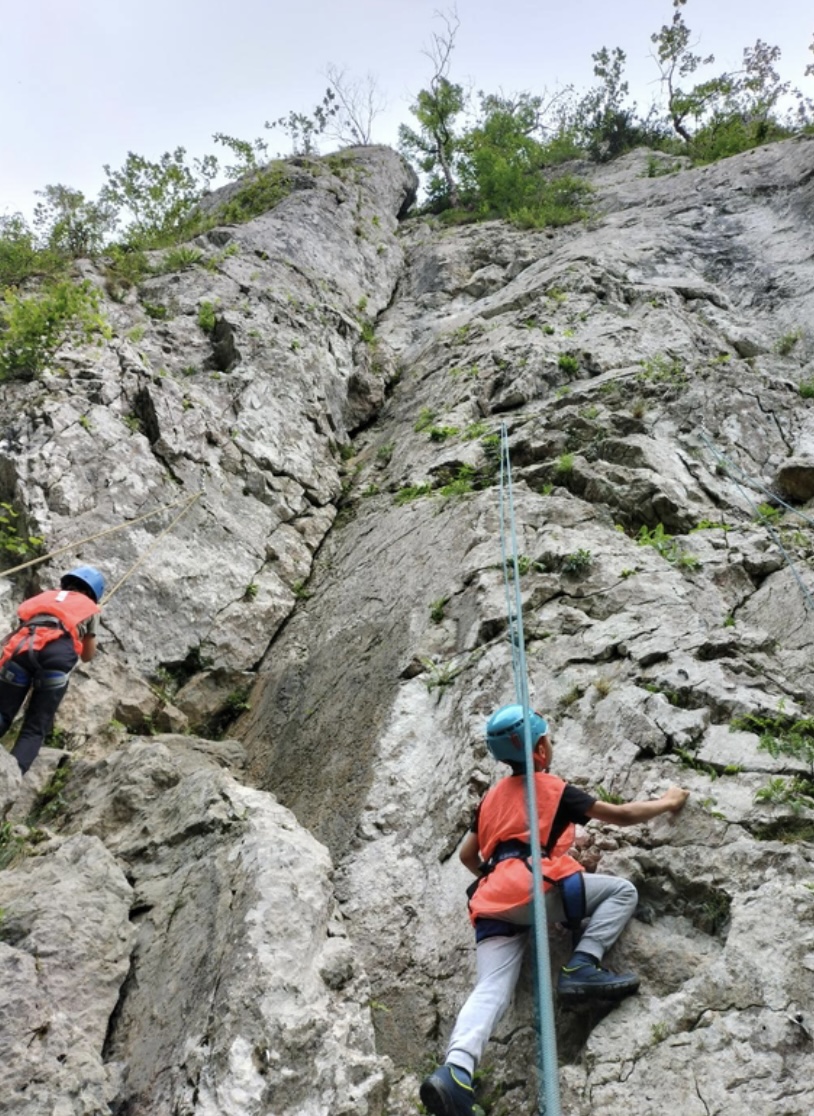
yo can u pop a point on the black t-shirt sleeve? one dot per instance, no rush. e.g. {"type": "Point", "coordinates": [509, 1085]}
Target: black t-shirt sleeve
{"type": "Point", "coordinates": [575, 804]}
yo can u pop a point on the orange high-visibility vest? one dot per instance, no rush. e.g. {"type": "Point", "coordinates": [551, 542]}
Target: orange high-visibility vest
{"type": "Point", "coordinates": [503, 816]}
{"type": "Point", "coordinates": [67, 606]}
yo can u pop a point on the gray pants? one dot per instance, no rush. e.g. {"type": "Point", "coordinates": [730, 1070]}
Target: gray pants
{"type": "Point", "coordinates": [609, 904]}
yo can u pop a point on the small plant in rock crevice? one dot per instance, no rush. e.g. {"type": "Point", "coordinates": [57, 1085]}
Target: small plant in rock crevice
{"type": "Point", "coordinates": [788, 341]}
{"type": "Point", "coordinates": [437, 609]}
{"type": "Point", "coordinates": [207, 316]}
{"type": "Point", "coordinates": [577, 563]}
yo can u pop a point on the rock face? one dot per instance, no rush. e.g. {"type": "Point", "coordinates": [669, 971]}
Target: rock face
{"type": "Point", "coordinates": [200, 927]}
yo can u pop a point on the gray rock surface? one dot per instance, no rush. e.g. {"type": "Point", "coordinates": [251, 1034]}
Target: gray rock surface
{"type": "Point", "coordinates": [281, 915]}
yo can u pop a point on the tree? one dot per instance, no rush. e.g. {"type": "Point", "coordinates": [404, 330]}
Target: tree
{"type": "Point", "coordinates": [33, 329]}
{"type": "Point", "coordinates": [435, 144]}
{"type": "Point", "coordinates": [303, 130]}
{"type": "Point", "coordinates": [20, 258]}
{"type": "Point", "coordinates": [601, 122]}
{"type": "Point", "coordinates": [250, 155]}
{"type": "Point", "coordinates": [160, 196]}
{"type": "Point", "coordinates": [676, 60]}
{"type": "Point", "coordinates": [358, 102]}
{"type": "Point", "coordinates": [70, 224]}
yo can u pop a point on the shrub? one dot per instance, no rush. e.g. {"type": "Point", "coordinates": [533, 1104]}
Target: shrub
{"type": "Point", "coordinates": [565, 464]}
{"type": "Point", "coordinates": [441, 433]}
{"type": "Point", "coordinates": [20, 258]}
{"type": "Point", "coordinates": [411, 492]}
{"type": "Point", "coordinates": [426, 417]}
{"type": "Point", "coordinates": [567, 362]}
{"type": "Point", "coordinates": [788, 341]}
{"type": "Point", "coordinates": [11, 541]}
{"type": "Point", "coordinates": [33, 329]}
{"type": "Point", "coordinates": [262, 192]}
{"type": "Point", "coordinates": [207, 316]}
{"type": "Point", "coordinates": [577, 563]}
{"type": "Point", "coordinates": [807, 389]}
{"type": "Point", "coordinates": [180, 258]}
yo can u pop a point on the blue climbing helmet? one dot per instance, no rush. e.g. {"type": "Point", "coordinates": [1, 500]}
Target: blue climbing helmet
{"type": "Point", "coordinates": [89, 581]}
{"type": "Point", "coordinates": [505, 737]}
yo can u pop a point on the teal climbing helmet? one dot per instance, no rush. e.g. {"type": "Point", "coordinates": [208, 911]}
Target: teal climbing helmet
{"type": "Point", "coordinates": [505, 737]}
{"type": "Point", "coordinates": [85, 579]}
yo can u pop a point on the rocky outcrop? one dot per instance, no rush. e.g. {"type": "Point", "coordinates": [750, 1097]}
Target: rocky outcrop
{"type": "Point", "coordinates": [281, 921]}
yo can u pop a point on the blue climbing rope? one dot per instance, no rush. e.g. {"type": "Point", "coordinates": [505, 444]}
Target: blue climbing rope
{"type": "Point", "coordinates": [548, 1078]}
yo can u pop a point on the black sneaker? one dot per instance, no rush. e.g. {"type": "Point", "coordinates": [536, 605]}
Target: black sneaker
{"type": "Point", "coordinates": [443, 1094]}
{"type": "Point", "coordinates": [584, 981]}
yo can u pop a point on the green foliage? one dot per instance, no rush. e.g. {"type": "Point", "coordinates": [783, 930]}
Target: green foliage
{"type": "Point", "coordinates": [665, 545]}
{"type": "Point", "coordinates": [426, 417]}
{"type": "Point", "coordinates": [806, 388]}
{"type": "Point", "coordinates": [20, 257]}
{"type": "Point", "coordinates": [155, 310]}
{"type": "Point", "coordinates": [50, 801]}
{"type": "Point", "coordinates": [768, 513]}
{"type": "Point", "coordinates": [159, 197]}
{"type": "Point", "coordinates": [248, 154]}
{"type": "Point", "coordinates": [125, 267]}
{"type": "Point", "coordinates": [71, 225]}
{"type": "Point", "coordinates": [434, 144]}
{"type": "Point", "coordinates": [568, 363]}
{"type": "Point", "coordinates": [181, 258]}
{"type": "Point", "coordinates": [728, 113]}
{"type": "Point", "coordinates": [662, 369]}
{"type": "Point", "coordinates": [437, 609]}
{"type": "Point", "coordinates": [12, 845]}
{"type": "Point", "coordinates": [570, 697]}
{"type": "Point", "coordinates": [782, 735]}
{"type": "Point", "coordinates": [411, 492]}
{"type": "Point", "coordinates": [796, 793]}
{"type": "Point", "coordinates": [207, 316]}
{"type": "Point", "coordinates": [564, 465]}
{"type": "Point", "coordinates": [474, 430]}
{"type": "Point", "coordinates": [251, 591]}
{"type": "Point", "coordinates": [303, 129]}
{"type": "Point", "coordinates": [577, 563]}
{"type": "Point", "coordinates": [787, 342]}
{"type": "Point", "coordinates": [461, 484]}
{"type": "Point", "coordinates": [12, 543]}
{"type": "Point", "coordinates": [441, 433]}
{"type": "Point", "coordinates": [523, 564]}
{"type": "Point", "coordinates": [262, 192]}
{"type": "Point", "coordinates": [605, 795]}
{"type": "Point", "coordinates": [32, 329]}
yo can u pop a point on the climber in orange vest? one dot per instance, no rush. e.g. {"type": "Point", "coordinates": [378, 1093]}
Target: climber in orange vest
{"type": "Point", "coordinates": [56, 629]}
{"type": "Point", "coordinates": [497, 851]}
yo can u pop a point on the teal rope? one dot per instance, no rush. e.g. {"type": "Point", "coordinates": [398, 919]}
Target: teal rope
{"type": "Point", "coordinates": [548, 1078]}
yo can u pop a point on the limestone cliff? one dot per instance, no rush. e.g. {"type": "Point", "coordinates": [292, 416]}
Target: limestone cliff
{"type": "Point", "coordinates": [275, 923]}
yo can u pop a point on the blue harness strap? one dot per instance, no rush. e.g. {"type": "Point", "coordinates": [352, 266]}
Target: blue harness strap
{"type": "Point", "coordinates": [572, 893]}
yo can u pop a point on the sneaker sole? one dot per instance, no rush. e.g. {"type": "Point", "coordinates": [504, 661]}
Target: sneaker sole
{"type": "Point", "coordinates": [598, 991]}
{"type": "Point", "coordinates": [436, 1101]}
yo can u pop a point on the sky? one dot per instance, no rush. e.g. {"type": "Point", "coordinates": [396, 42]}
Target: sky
{"type": "Point", "coordinates": [85, 81]}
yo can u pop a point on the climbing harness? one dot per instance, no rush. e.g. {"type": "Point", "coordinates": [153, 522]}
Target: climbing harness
{"type": "Point", "coordinates": [548, 1077]}
{"type": "Point", "coordinates": [732, 469]}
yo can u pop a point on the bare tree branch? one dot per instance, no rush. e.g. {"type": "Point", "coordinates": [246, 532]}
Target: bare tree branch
{"type": "Point", "coordinates": [359, 101]}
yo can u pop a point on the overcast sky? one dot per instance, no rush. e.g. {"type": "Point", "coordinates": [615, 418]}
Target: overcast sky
{"type": "Point", "coordinates": [83, 82]}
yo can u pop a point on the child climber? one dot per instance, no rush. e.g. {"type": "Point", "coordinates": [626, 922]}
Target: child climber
{"type": "Point", "coordinates": [56, 629]}
{"type": "Point", "coordinates": [500, 905]}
